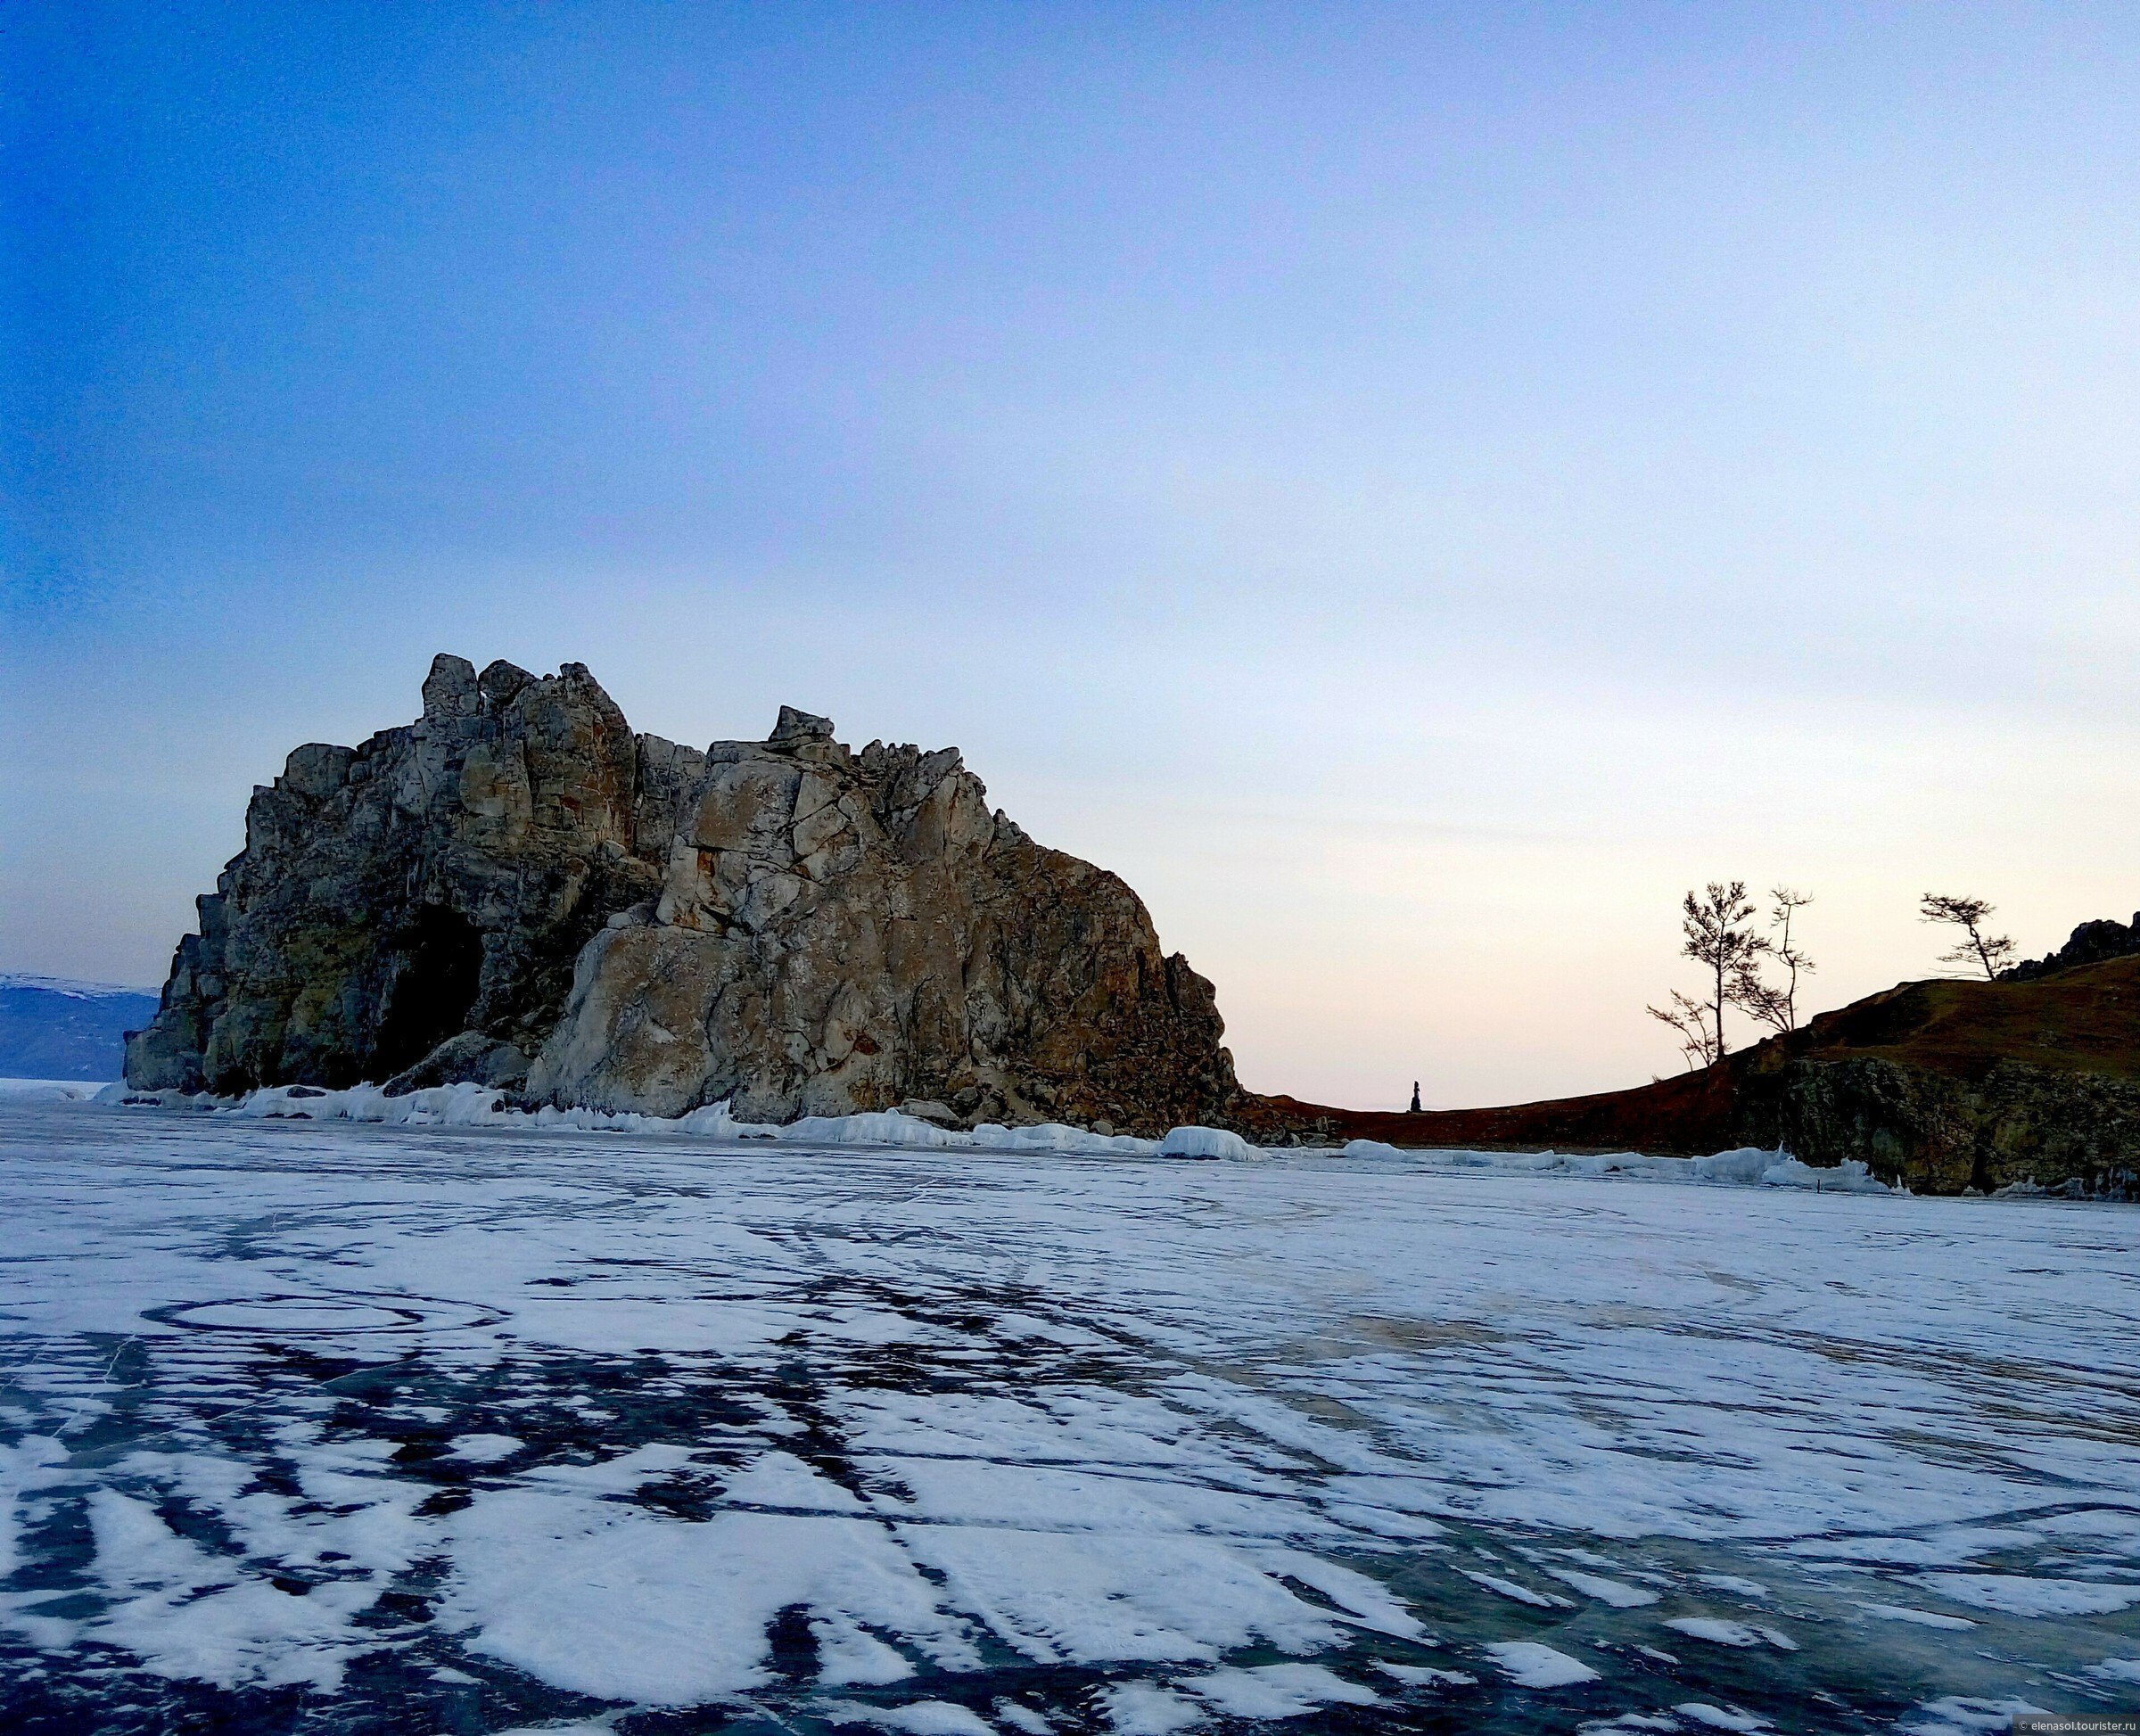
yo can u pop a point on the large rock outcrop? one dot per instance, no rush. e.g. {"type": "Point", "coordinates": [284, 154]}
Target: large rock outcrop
{"type": "Point", "coordinates": [1949, 1085]}
{"type": "Point", "coordinates": [517, 889]}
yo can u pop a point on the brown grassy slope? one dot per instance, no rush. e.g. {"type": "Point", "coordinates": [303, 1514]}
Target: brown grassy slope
{"type": "Point", "coordinates": [2083, 1020]}
{"type": "Point", "coordinates": [1677, 1115]}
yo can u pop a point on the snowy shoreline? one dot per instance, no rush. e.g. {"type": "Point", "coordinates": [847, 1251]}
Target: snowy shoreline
{"type": "Point", "coordinates": [468, 1105]}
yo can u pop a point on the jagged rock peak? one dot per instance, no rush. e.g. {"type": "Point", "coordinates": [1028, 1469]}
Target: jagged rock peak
{"type": "Point", "coordinates": [516, 888]}
{"type": "Point", "coordinates": [800, 726]}
{"type": "Point", "coordinates": [2090, 944]}
{"type": "Point", "coordinates": [449, 690]}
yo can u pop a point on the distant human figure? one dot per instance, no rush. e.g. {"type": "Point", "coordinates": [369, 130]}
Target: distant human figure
{"type": "Point", "coordinates": [1415, 1097]}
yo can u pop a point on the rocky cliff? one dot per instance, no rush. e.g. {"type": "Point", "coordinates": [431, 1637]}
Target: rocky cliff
{"type": "Point", "coordinates": [1949, 1085]}
{"type": "Point", "coordinates": [517, 889]}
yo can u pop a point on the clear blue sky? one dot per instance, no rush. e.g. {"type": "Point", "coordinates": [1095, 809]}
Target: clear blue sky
{"type": "Point", "coordinates": [1412, 488]}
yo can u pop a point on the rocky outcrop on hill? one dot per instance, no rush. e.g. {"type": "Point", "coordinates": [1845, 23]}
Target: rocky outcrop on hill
{"type": "Point", "coordinates": [440, 879]}
{"type": "Point", "coordinates": [2090, 944]}
{"type": "Point", "coordinates": [1946, 1132]}
{"type": "Point", "coordinates": [1949, 1085]}
{"type": "Point", "coordinates": [519, 890]}
{"type": "Point", "coordinates": [1943, 1086]}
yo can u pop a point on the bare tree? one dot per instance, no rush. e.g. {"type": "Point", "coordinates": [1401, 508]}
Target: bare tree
{"type": "Point", "coordinates": [1697, 1031]}
{"type": "Point", "coordinates": [1776, 1004]}
{"type": "Point", "coordinates": [1717, 935]}
{"type": "Point", "coordinates": [1990, 952]}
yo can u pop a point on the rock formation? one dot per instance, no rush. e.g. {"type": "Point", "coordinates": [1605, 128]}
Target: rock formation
{"type": "Point", "coordinates": [2089, 944]}
{"type": "Point", "coordinates": [1949, 1085]}
{"type": "Point", "coordinates": [519, 890]}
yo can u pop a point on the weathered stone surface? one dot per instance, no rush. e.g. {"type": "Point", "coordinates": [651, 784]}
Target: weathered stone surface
{"type": "Point", "coordinates": [471, 1056]}
{"type": "Point", "coordinates": [441, 878]}
{"type": "Point", "coordinates": [1910, 1124]}
{"type": "Point", "coordinates": [2089, 944]}
{"type": "Point", "coordinates": [788, 924]}
{"type": "Point", "coordinates": [839, 932]}
{"type": "Point", "coordinates": [1937, 1133]}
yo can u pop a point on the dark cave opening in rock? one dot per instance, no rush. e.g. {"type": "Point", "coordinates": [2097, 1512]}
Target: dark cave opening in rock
{"type": "Point", "coordinates": [431, 990]}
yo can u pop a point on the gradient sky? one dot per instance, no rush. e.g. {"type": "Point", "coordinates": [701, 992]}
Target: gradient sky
{"type": "Point", "coordinates": [1413, 489]}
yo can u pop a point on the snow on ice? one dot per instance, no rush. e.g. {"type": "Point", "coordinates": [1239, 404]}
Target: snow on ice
{"type": "Point", "coordinates": [414, 1408]}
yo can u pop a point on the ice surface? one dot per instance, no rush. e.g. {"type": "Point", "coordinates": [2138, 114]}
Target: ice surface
{"type": "Point", "coordinates": [1508, 1588]}
{"type": "Point", "coordinates": [1720, 1717]}
{"type": "Point", "coordinates": [426, 1413]}
{"type": "Point", "coordinates": [47, 1091]}
{"type": "Point", "coordinates": [482, 1449]}
{"type": "Point", "coordinates": [1530, 1665]}
{"type": "Point", "coordinates": [1962, 1715]}
{"type": "Point", "coordinates": [1721, 1632]}
{"type": "Point", "coordinates": [1617, 1592]}
{"type": "Point", "coordinates": [1903, 1612]}
{"type": "Point", "coordinates": [187, 1612]}
{"type": "Point", "coordinates": [1277, 1691]}
{"type": "Point", "coordinates": [1205, 1142]}
{"type": "Point", "coordinates": [2022, 1596]}
{"type": "Point", "coordinates": [1138, 1708]}
{"type": "Point", "coordinates": [1015, 1714]}
{"type": "Point", "coordinates": [927, 1717]}
{"type": "Point", "coordinates": [1749, 1167]}
{"type": "Point", "coordinates": [1375, 1149]}
{"type": "Point", "coordinates": [468, 1105]}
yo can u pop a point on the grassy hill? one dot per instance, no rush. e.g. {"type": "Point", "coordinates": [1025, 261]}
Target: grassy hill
{"type": "Point", "coordinates": [1944, 1085]}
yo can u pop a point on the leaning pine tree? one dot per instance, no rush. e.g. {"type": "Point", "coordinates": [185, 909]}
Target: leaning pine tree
{"type": "Point", "coordinates": [1718, 934]}
{"type": "Point", "coordinates": [1990, 953]}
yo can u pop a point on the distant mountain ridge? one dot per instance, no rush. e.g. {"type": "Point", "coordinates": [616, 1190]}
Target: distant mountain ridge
{"type": "Point", "coordinates": [59, 1027]}
{"type": "Point", "coordinates": [74, 988]}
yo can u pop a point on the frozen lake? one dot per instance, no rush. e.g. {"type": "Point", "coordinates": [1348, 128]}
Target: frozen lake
{"type": "Point", "coordinates": [323, 1427]}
